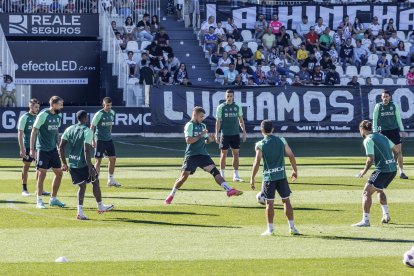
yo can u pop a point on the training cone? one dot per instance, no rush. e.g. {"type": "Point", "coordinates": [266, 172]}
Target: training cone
{"type": "Point", "coordinates": [62, 260]}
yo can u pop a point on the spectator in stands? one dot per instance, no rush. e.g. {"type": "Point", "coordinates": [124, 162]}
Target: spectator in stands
{"type": "Point", "coordinates": [220, 32]}
{"type": "Point", "coordinates": [250, 82]}
{"type": "Point", "coordinates": [144, 60]}
{"type": "Point", "coordinates": [124, 8]}
{"type": "Point", "coordinates": [260, 55]}
{"type": "Point", "coordinates": [55, 7]}
{"type": "Point", "coordinates": [318, 54]}
{"type": "Point", "coordinates": [346, 26]}
{"type": "Point", "coordinates": [361, 54]}
{"type": "Point", "coordinates": [332, 77]}
{"type": "Point", "coordinates": [389, 28]}
{"type": "Point", "coordinates": [375, 27]}
{"type": "Point", "coordinates": [379, 44]}
{"type": "Point", "coordinates": [129, 28]}
{"type": "Point", "coordinates": [179, 8]}
{"type": "Point", "coordinates": [358, 28]}
{"type": "Point", "coordinates": [282, 65]}
{"type": "Point", "coordinates": [223, 64]}
{"type": "Point", "coordinates": [325, 40]}
{"type": "Point", "coordinates": [396, 66]}
{"type": "Point", "coordinates": [144, 29]}
{"type": "Point", "coordinates": [303, 27]}
{"type": "Point", "coordinates": [205, 27]}
{"type": "Point", "coordinates": [393, 41]}
{"type": "Point", "coordinates": [246, 53]}
{"type": "Point", "coordinates": [283, 39]}
{"type": "Point", "coordinates": [311, 39]}
{"type": "Point", "coordinates": [233, 51]}
{"type": "Point", "coordinates": [354, 82]}
{"type": "Point", "coordinates": [402, 53]}
{"type": "Point", "coordinates": [347, 54]}
{"type": "Point", "coordinates": [180, 74]}
{"type": "Point", "coordinates": [302, 54]}
{"type": "Point", "coordinates": [164, 77]}
{"type": "Point", "coordinates": [259, 75]}
{"type": "Point", "coordinates": [238, 81]}
{"type": "Point", "coordinates": [154, 51]}
{"type": "Point", "coordinates": [297, 81]}
{"type": "Point", "coordinates": [284, 81]}
{"type": "Point", "coordinates": [158, 64]}
{"type": "Point", "coordinates": [304, 75]}
{"type": "Point", "coordinates": [70, 7]}
{"type": "Point", "coordinates": [368, 81]}
{"type": "Point", "coordinates": [210, 41]}
{"type": "Point", "coordinates": [272, 55]}
{"type": "Point", "coordinates": [216, 55]}
{"type": "Point", "coordinates": [186, 82]}
{"type": "Point", "coordinates": [232, 29]}
{"type": "Point", "coordinates": [333, 54]}
{"type": "Point", "coordinates": [319, 26]}
{"type": "Point", "coordinates": [139, 9]}
{"type": "Point", "coordinates": [410, 76]}
{"type": "Point", "coordinates": [269, 39]}
{"type": "Point", "coordinates": [296, 42]}
{"type": "Point", "coordinates": [194, 8]}
{"type": "Point", "coordinates": [260, 27]}
{"type": "Point", "coordinates": [317, 76]}
{"type": "Point", "coordinates": [326, 63]}
{"type": "Point", "coordinates": [114, 27]}
{"type": "Point", "coordinates": [272, 76]}
{"type": "Point", "coordinates": [240, 63]}
{"type": "Point", "coordinates": [367, 42]}
{"type": "Point", "coordinates": [383, 66]}
{"type": "Point", "coordinates": [132, 65]}
{"type": "Point", "coordinates": [275, 25]}
{"type": "Point", "coordinates": [310, 61]}
{"type": "Point", "coordinates": [339, 38]}
{"type": "Point", "coordinates": [163, 40]}
{"type": "Point", "coordinates": [122, 42]}
{"type": "Point", "coordinates": [230, 75]}
{"type": "Point", "coordinates": [146, 78]}
{"type": "Point", "coordinates": [155, 25]}
{"type": "Point", "coordinates": [172, 63]}
{"type": "Point", "coordinates": [8, 97]}
{"type": "Point", "coordinates": [230, 43]}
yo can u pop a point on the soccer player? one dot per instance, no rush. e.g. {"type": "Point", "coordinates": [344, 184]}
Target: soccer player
{"type": "Point", "coordinates": [82, 171]}
{"type": "Point", "coordinates": [229, 117]}
{"type": "Point", "coordinates": [272, 150]}
{"type": "Point", "coordinates": [45, 134]}
{"type": "Point", "coordinates": [378, 149]}
{"type": "Point", "coordinates": [387, 121]}
{"type": "Point", "coordinates": [25, 125]}
{"type": "Point", "coordinates": [196, 155]}
{"type": "Point", "coordinates": [102, 142]}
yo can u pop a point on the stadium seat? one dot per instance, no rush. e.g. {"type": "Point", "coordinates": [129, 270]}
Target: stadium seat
{"type": "Point", "coordinates": [290, 32]}
{"type": "Point", "coordinates": [239, 45]}
{"type": "Point", "coordinates": [410, 33]}
{"type": "Point", "coordinates": [406, 69]}
{"type": "Point", "coordinates": [366, 71]}
{"type": "Point", "coordinates": [389, 57]}
{"type": "Point", "coordinates": [253, 68]}
{"type": "Point", "coordinates": [339, 70]}
{"type": "Point", "coordinates": [331, 33]}
{"type": "Point", "coordinates": [401, 35]}
{"type": "Point", "coordinates": [144, 44]}
{"type": "Point", "coordinates": [361, 81]}
{"type": "Point", "coordinates": [401, 81]}
{"type": "Point", "coordinates": [351, 71]}
{"type": "Point", "coordinates": [407, 46]}
{"type": "Point", "coordinates": [247, 35]}
{"type": "Point", "coordinates": [387, 81]}
{"type": "Point", "coordinates": [375, 81]}
{"type": "Point", "coordinates": [295, 68]}
{"type": "Point", "coordinates": [132, 46]}
{"type": "Point", "coordinates": [372, 60]}
{"type": "Point", "coordinates": [224, 44]}
{"type": "Point", "coordinates": [266, 69]}
{"type": "Point", "coordinates": [253, 46]}
{"type": "Point", "coordinates": [344, 81]}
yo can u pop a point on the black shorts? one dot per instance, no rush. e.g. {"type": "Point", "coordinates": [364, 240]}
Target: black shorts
{"type": "Point", "coordinates": [179, 7]}
{"type": "Point", "coordinates": [381, 180]}
{"type": "Point", "coordinates": [48, 159]}
{"type": "Point", "coordinates": [81, 175]}
{"type": "Point", "coordinates": [191, 163]}
{"type": "Point", "coordinates": [27, 157]}
{"type": "Point", "coordinates": [230, 141]}
{"type": "Point", "coordinates": [269, 189]}
{"type": "Point", "coordinates": [393, 135]}
{"type": "Point", "coordinates": [104, 148]}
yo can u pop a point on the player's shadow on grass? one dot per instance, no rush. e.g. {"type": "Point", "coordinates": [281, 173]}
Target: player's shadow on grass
{"type": "Point", "coordinates": [168, 223]}
{"type": "Point", "coordinates": [12, 202]}
{"type": "Point", "coordinates": [329, 184]}
{"type": "Point", "coordinates": [169, 189]}
{"type": "Point", "coordinates": [163, 212]}
{"type": "Point", "coordinates": [382, 240]}
{"type": "Point", "coordinates": [120, 197]}
{"type": "Point", "coordinates": [261, 207]}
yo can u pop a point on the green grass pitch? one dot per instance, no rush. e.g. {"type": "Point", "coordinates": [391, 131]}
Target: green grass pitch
{"type": "Point", "coordinates": [203, 232]}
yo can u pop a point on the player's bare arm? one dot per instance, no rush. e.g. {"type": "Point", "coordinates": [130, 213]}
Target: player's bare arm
{"type": "Point", "coordinates": [256, 166]}
{"type": "Point", "coordinates": [292, 160]}
{"type": "Point", "coordinates": [93, 128]}
{"type": "Point", "coordinates": [33, 136]}
{"type": "Point", "coordinates": [62, 155]}
{"type": "Point", "coordinates": [87, 151]}
{"type": "Point", "coordinates": [243, 128]}
{"type": "Point", "coordinates": [368, 164]}
{"type": "Point", "coordinates": [217, 135]}
{"type": "Point", "coordinates": [21, 146]}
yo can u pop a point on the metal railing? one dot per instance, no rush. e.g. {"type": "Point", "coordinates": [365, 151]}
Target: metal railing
{"type": "Point", "coordinates": [133, 8]}
{"type": "Point", "coordinates": [49, 6]}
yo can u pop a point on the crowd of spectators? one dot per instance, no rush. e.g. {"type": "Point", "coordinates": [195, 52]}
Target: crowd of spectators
{"type": "Point", "coordinates": [50, 6]}
{"type": "Point", "coordinates": [311, 54]}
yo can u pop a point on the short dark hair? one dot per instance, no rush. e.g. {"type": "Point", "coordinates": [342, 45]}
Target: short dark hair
{"type": "Point", "coordinates": [55, 99]}
{"type": "Point", "coordinates": [107, 100]}
{"type": "Point", "coordinates": [81, 115]}
{"type": "Point", "coordinates": [366, 124]}
{"type": "Point", "coordinates": [34, 101]}
{"type": "Point", "coordinates": [386, 92]}
{"type": "Point", "coordinates": [199, 109]}
{"type": "Point", "coordinates": [230, 91]}
{"type": "Point", "coordinates": [130, 52]}
{"type": "Point", "coordinates": [267, 126]}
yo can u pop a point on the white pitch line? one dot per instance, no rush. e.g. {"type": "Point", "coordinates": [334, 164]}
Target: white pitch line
{"type": "Point", "coordinates": [148, 146]}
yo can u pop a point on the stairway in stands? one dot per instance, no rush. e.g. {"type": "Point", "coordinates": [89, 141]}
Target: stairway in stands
{"type": "Point", "coordinates": [187, 49]}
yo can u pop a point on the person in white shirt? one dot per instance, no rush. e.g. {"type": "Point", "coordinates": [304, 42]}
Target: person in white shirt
{"type": "Point", "coordinates": [8, 97]}
{"type": "Point", "coordinates": [393, 41]}
{"type": "Point", "coordinates": [220, 32]}
{"type": "Point", "coordinates": [230, 75]}
{"type": "Point", "coordinates": [223, 64]}
{"type": "Point", "coordinates": [366, 41]}
{"type": "Point", "coordinates": [375, 27]}
{"type": "Point", "coordinates": [211, 22]}
{"type": "Point", "coordinates": [296, 41]}
{"type": "Point", "coordinates": [320, 27]}
{"type": "Point", "coordinates": [303, 27]}
{"type": "Point", "coordinates": [379, 44]}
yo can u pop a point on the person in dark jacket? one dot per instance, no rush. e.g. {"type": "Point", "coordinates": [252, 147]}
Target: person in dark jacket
{"type": "Point", "coordinates": [332, 77]}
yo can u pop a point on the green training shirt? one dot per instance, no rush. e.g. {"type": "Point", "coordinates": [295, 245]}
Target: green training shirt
{"type": "Point", "coordinates": [48, 125]}
{"type": "Point", "coordinates": [103, 122]}
{"type": "Point", "coordinates": [381, 148]}
{"type": "Point", "coordinates": [273, 153]}
{"type": "Point", "coordinates": [77, 136]}
{"type": "Point", "coordinates": [229, 115]}
{"type": "Point", "coordinates": [193, 129]}
{"type": "Point", "coordinates": [25, 124]}
{"type": "Point", "coordinates": [387, 117]}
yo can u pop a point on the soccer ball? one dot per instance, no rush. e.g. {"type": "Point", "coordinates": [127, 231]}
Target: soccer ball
{"type": "Point", "coordinates": [408, 258]}
{"type": "Point", "coordinates": [260, 198]}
